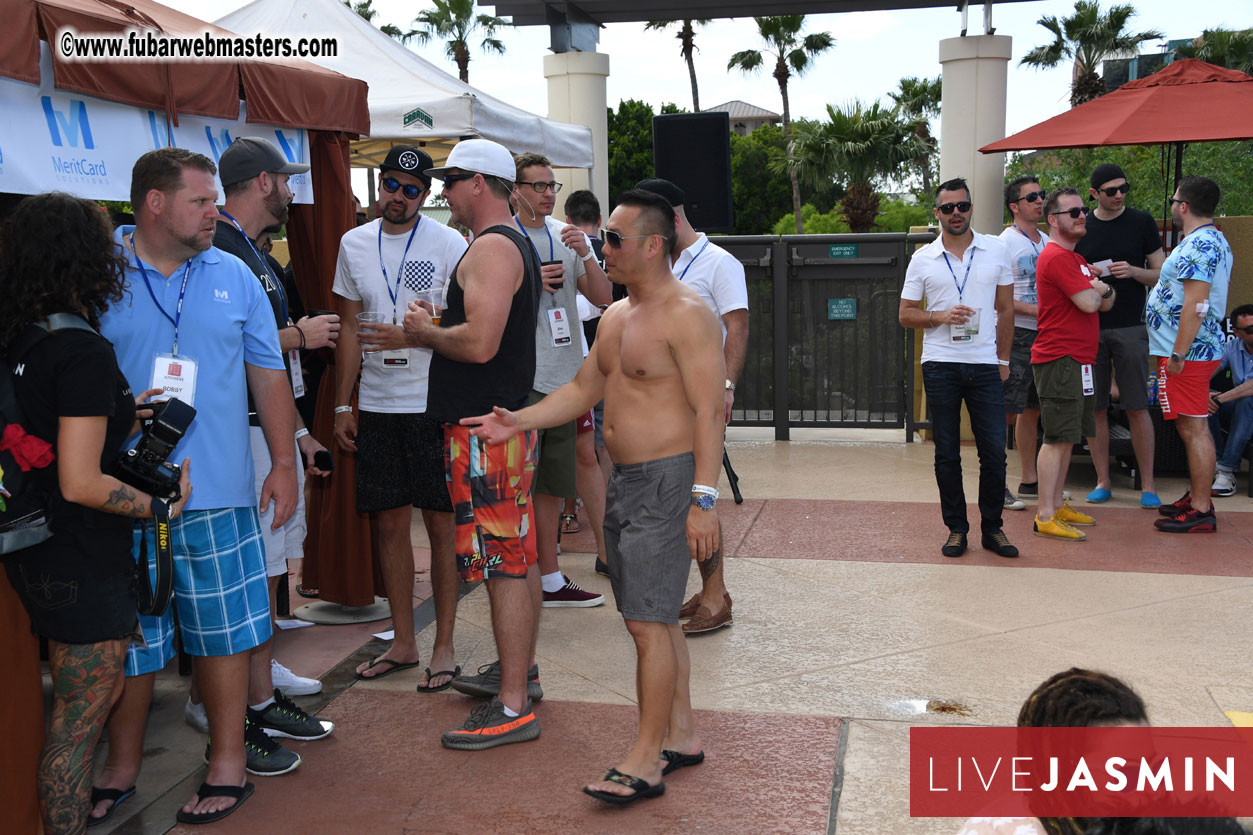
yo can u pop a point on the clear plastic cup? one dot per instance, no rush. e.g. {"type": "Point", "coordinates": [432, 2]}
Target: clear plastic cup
{"type": "Point", "coordinates": [365, 321]}
{"type": "Point", "coordinates": [432, 301]}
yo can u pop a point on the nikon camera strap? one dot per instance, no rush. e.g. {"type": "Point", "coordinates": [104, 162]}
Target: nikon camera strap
{"type": "Point", "coordinates": [154, 598]}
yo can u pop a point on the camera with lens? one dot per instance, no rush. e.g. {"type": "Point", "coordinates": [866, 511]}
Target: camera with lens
{"type": "Point", "coordinates": [145, 466]}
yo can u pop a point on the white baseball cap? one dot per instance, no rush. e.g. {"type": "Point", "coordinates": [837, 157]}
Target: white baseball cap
{"type": "Point", "coordinates": [480, 156]}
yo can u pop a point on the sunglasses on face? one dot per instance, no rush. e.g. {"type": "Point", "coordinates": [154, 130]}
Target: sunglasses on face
{"type": "Point", "coordinates": [1248, 330]}
{"type": "Point", "coordinates": [947, 208]}
{"type": "Point", "coordinates": [541, 187]}
{"type": "Point", "coordinates": [1032, 197]}
{"type": "Point", "coordinates": [1075, 213]}
{"type": "Point", "coordinates": [613, 239]}
{"type": "Point", "coordinates": [1112, 190]}
{"type": "Point", "coordinates": [449, 179]}
{"type": "Point", "coordinates": [411, 192]}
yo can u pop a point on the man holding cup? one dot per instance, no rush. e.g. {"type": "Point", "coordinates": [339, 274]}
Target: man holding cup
{"type": "Point", "coordinates": [384, 265]}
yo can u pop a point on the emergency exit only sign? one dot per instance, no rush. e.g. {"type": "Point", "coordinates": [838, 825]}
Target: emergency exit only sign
{"type": "Point", "coordinates": [841, 308]}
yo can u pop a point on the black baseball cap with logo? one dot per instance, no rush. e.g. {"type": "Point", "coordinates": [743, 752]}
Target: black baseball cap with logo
{"type": "Point", "coordinates": [248, 156]}
{"type": "Point", "coordinates": [408, 159]}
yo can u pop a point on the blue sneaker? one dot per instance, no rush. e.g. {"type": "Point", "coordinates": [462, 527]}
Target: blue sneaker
{"type": "Point", "coordinates": [1148, 499]}
{"type": "Point", "coordinates": [1098, 496]}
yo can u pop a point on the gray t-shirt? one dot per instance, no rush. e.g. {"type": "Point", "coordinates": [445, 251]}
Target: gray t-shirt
{"type": "Point", "coordinates": [556, 365]}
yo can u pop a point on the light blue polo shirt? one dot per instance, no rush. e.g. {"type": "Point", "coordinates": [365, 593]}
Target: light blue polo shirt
{"type": "Point", "coordinates": [226, 322]}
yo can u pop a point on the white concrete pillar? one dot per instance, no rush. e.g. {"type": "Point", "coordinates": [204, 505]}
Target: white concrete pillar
{"type": "Point", "coordinates": [576, 94]}
{"type": "Point", "coordinates": [972, 114]}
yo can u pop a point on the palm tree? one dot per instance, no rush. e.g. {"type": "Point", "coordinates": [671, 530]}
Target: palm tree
{"type": "Point", "coordinates": [862, 145]}
{"type": "Point", "coordinates": [1088, 37]}
{"type": "Point", "coordinates": [687, 39]}
{"type": "Point", "coordinates": [456, 23]}
{"type": "Point", "coordinates": [919, 99]}
{"type": "Point", "coordinates": [1230, 48]}
{"type": "Point", "coordinates": [365, 8]}
{"type": "Point", "coordinates": [792, 55]}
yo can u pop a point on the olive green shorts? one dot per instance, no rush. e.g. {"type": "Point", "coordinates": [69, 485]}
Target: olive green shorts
{"type": "Point", "coordinates": [1066, 414]}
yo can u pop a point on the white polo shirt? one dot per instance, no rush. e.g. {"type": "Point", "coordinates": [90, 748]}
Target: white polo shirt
{"type": "Point", "coordinates": [714, 273]}
{"type": "Point", "coordinates": [432, 254]}
{"type": "Point", "coordinates": [937, 275]}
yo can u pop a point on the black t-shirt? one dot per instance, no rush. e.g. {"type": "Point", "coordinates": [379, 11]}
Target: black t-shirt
{"type": "Point", "coordinates": [1130, 237]}
{"type": "Point", "coordinates": [74, 373]}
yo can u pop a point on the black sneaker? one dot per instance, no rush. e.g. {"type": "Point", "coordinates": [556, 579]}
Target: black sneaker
{"type": "Point", "coordinates": [487, 682]}
{"type": "Point", "coordinates": [489, 726]}
{"type": "Point", "coordinates": [1189, 521]}
{"type": "Point", "coordinates": [998, 543]}
{"type": "Point", "coordinates": [601, 567]}
{"type": "Point", "coordinates": [956, 545]}
{"type": "Point", "coordinates": [265, 757]}
{"type": "Point", "coordinates": [283, 718]}
{"type": "Point", "coordinates": [1180, 505]}
{"type": "Point", "coordinates": [1029, 489]}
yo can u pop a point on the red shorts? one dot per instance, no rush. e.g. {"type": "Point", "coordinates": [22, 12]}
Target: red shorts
{"type": "Point", "coordinates": [490, 487]}
{"type": "Point", "coordinates": [586, 423]}
{"type": "Point", "coordinates": [1185, 393]}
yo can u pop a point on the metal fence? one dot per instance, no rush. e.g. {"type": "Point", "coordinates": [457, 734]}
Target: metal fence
{"type": "Point", "coordinates": [825, 348]}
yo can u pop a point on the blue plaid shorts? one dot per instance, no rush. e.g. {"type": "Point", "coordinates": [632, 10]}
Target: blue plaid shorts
{"type": "Point", "coordinates": [220, 589]}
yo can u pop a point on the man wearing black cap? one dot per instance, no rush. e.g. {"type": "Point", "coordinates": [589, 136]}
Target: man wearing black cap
{"type": "Point", "coordinates": [1124, 244]}
{"type": "Point", "coordinates": [718, 277]}
{"type": "Point", "coordinates": [384, 265]}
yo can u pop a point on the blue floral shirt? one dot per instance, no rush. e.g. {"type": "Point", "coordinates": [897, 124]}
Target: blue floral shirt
{"type": "Point", "coordinates": [1205, 256]}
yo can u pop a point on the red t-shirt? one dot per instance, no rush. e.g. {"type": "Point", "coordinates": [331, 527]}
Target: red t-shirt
{"type": "Point", "coordinates": [1065, 330]}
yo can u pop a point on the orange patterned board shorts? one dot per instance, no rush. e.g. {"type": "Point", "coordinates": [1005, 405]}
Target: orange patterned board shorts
{"type": "Point", "coordinates": [490, 488]}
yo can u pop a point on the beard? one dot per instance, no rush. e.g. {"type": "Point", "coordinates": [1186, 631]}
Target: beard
{"type": "Point", "coordinates": [198, 242]}
{"type": "Point", "coordinates": [398, 213]}
{"type": "Point", "coordinates": [277, 206]}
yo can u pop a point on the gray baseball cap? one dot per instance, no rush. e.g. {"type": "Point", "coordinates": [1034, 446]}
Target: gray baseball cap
{"type": "Point", "coordinates": [248, 156]}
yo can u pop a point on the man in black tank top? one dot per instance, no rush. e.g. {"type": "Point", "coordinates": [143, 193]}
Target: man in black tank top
{"type": "Point", "coordinates": [485, 355]}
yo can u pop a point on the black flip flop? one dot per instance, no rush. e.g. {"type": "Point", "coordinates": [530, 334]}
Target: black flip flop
{"type": "Point", "coordinates": [240, 793]}
{"type": "Point", "coordinates": [304, 592]}
{"type": "Point", "coordinates": [642, 789]}
{"type": "Point", "coordinates": [116, 795]}
{"type": "Point", "coordinates": [393, 666]}
{"type": "Point", "coordinates": [675, 760]}
{"type": "Point", "coordinates": [430, 675]}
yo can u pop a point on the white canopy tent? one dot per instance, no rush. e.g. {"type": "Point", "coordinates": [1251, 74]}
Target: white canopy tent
{"type": "Point", "coordinates": [411, 101]}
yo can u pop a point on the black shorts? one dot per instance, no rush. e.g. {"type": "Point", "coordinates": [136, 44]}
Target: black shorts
{"type": "Point", "coordinates": [73, 597]}
{"type": "Point", "coordinates": [400, 461]}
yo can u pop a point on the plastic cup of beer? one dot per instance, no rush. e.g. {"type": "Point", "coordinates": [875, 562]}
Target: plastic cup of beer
{"type": "Point", "coordinates": [432, 301]}
{"type": "Point", "coordinates": [367, 321]}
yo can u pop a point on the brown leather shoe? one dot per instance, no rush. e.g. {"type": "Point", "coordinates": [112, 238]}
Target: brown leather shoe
{"type": "Point", "coordinates": [690, 607]}
{"type": "Point", "coordinates": [702, 622]}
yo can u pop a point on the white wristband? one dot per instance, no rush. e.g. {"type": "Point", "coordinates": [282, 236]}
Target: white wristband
{"type": "Point", "coordinates": [341, 409]}
{"type": "Point", "coordinates": [591, 253]}
{"type": "Point", "coordinates": [708, 491]}
{"type": "Point", "coordinates": [300, 433]}
{"type": "Point", "coordinates": [1002, 362]}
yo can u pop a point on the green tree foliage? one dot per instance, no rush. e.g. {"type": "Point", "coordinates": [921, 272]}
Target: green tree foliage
{"type": "Point", "coordinates": [455, 23]}
{"type": "Point", "coordinates": [631, 145]}
{"type": "Point", "coordinates": [1230, 48]}
{"type": "Point", "coordinates": [365, 8]}
{"type": "Point", "coordinates": [894, 216]}
{"type": "Point", "coordinates": [687, 47]}
{"type": "Point", "coordinates": [761, 194]}
{"type": "Point", "coordinates": [1088, 37]}
{"type": "Point", "coordinates": [793, 55]}
{"type": "Point", "coordinates": [919, 99]}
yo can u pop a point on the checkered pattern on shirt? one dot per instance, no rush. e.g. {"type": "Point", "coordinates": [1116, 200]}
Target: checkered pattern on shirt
{"type": "Point", "coordinates": [418, 275]}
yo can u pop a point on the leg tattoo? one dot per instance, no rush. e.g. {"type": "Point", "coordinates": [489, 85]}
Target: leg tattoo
{"type": "Point", "coordinates": [709, 566]}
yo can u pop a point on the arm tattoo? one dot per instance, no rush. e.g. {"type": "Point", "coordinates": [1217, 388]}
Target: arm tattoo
{"type": "Point", "coordinates": [709, 566]}
{"type": "Point", "coordinates": [123, 502]}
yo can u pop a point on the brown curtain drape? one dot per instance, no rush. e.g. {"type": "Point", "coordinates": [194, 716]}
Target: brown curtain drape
{"type": "Point", "coordinates": [21, 715]}
{"type": "Point", "coordinates": [340, 560]}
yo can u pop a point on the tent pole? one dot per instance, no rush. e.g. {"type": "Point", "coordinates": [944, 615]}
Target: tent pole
{"type": "Point", "coordinates": [369, 182]}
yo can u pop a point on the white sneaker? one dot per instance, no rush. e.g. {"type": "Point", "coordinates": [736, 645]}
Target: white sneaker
{"type": "Point", "coordinates": [1224, 484]}
{"type": "Point", "coordinates": [1012, 502]}
{"type": "Point", "coordinates": [195, 716]}
{"type": "Point", "coordinates": [290, 683]}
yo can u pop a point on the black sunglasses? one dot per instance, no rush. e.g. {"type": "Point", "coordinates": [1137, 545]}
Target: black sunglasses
{"type": "Point", "coordinates": [1032, 197]}
{"type": "Point", "coordinates": [391, 185]}
{"type": "Point", "coordinates": [1112, 190]}
{"type": "Point", "coordinates": [613, 239]}
{"type": "Point", "coordinates": [449, 179]}
{"type": "Point", "coordinates": [542, 187]}
{"type": "Point", "coordinates": [1248, 330]}
{"type": "Point", "coordinates": [1075, 213]}
{"type": "Point", "coordinates": [1174, 200]}
{"type": "Point", "coordinates": [947, 208]}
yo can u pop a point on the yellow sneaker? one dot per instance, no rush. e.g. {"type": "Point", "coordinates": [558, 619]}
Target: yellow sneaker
{"type": "Point", "coordinates": [1070, 516]}
{"type": "Point", "coordinates": [1056, 529]}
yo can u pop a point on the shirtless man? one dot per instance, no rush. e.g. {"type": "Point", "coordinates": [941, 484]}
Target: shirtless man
{"type": "Point", "coordinates": [657, 361]}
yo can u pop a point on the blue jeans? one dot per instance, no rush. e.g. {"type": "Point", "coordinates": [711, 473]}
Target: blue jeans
{"type": "Point", "coordinates": [1235, 420]}
{"type": "Point", "coordinates": [947, 385]}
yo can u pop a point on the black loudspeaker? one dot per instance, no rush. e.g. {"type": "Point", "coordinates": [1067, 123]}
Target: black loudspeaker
{"type": "Point", "coordinates": [693, 151]}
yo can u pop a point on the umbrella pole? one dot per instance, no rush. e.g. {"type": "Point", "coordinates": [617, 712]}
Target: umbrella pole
{"type": "Point", "coordinates": [370, 210]}
{"type": "Point", "coordinates": [1174, 229]}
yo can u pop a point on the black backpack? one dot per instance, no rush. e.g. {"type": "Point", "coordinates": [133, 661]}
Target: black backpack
{"type": "Point", "coordinates": [24, 517]}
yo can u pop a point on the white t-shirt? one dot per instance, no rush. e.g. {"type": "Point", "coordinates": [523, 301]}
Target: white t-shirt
{"type": "Point", "coordinates": [983, 267]}
{"type": "Point", "coordinates": [1023, 253]}
{"type": "Point", "coordinates": [714, 273]}
{"type": "Point", "coordinates": [433, 253]}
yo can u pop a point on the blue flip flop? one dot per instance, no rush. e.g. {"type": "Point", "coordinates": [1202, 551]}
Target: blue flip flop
{"type": "Point", "coordinates": [1098, 496]}
{"type": "Point", "coordinates": [1148, 499]}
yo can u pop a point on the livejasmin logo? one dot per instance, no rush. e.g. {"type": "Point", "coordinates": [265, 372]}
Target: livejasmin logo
{"type": "Point", "coordinates": [1151, 777]}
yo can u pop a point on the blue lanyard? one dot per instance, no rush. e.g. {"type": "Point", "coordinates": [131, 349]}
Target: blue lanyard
{"type": "Point", "coordinates": [400, 270]}
{"type": "Point", "coordinates": [552, 253]}
{"type": "Point", "coordinates": [182, 292]}
{"type": "Point", "coordinates": [1020, 232]}
{"type": "Point", "coordinates": [961, 288]}
{"type": "Point", "coordinates": [693, 261]}
{"type": "Point", "coordinates": [282, 294]}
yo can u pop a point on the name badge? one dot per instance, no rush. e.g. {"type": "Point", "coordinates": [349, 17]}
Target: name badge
{"type": "Point", "coordinates": [559, 326]}
{"type": "Point", "coordinates": [398, 358]}
{"type": "Point", "coordinates": [297, 375]}
{"type": "Point", "coordinates": [175, 376]}
{"type": "Point", "coordinates": [964, 333]}
{"type": "Point", "coordinates": [1089, 387]}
